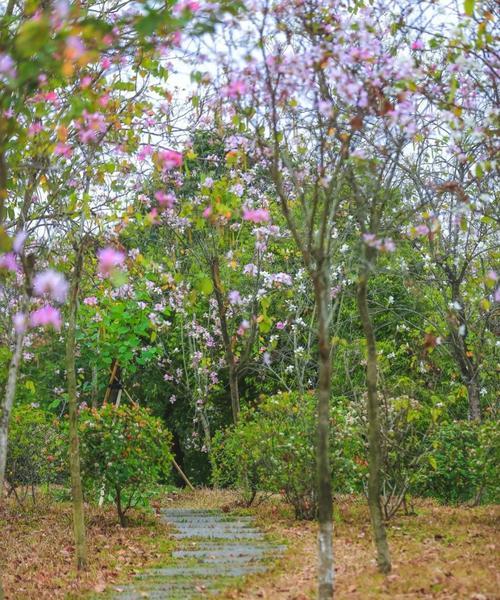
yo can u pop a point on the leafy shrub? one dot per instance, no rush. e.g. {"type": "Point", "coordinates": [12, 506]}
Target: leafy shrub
{"type": "Point", "coordinates": [31, 450]}
{"type": "Point", "coordinates": [272, 449]}
{"type": "Point", "coordinates": [463, 464]}
{"type": "Point", "coordinates": [126, 450]}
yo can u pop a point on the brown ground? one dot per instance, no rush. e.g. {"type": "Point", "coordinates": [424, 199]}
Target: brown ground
{"type": "Point", "coordinates": [36, 550]}
{"type": "Point", "coordinates": [441, 552]}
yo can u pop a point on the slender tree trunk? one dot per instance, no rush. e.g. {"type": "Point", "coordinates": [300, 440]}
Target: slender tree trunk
{"type": "Point", "coordinates": [7, 404]}
{"type": "Point", "coordinates": [373, 412]}
{"type": "Point", "coordinates": [468, 365]}
{"type": "Point", "coordinates": [324, 476]}
{"type": "Point", "coordinates": [228, 350]}
{"type": "Point", "coordinates": [474, 399]}
{"type": "Point", "coordinates": [94, 387]}
{"type": "Point", "coordinates": [119, 508]}
{"type": "Point", "coordinates": [74, 453]}
{"type": "Point", "coordinates": [234, 390]}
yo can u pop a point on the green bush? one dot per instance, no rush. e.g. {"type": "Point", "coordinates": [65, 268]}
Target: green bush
{"type": "Point", "coordinates": [126, 450]}
{"type": "Point", "coordinates": [32, 447]}
{"type": "Point", "coordinates": [272, 449]}
{"type": "Point", "coordinates": [463, 464]}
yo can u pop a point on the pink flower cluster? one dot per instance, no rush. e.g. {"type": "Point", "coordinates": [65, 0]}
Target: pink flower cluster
{"type": "Point", "coordinates": [386, 245]}
{"type": "Point", "coordinates": [170, 159]}
{"type": "Point", "coordinates": [256, 215]}
{"type": "Point", "coordinates": [90, 126]}
{"type": "Point", "coordinates": [51, 284]}
{"type": "Point", "coordinates": [109, 260]}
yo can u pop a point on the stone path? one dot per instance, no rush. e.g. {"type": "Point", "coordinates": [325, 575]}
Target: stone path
{"type": "Point", "coordinates": [214, 550]}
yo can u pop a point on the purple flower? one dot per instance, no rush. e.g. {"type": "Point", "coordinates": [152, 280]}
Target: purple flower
{"type": "Point", "coordinates": [234, 297]}
{"type": "Point", "coordinates": [52, 284]}
{"type": "Point", "coordinates": [20, 322]}
{"type": "Point", "coordinates": [7, 66]}
{"type": "Point", "coordinates": [18, 243]}
{"type": "Point", "coordinates": [8, 262]}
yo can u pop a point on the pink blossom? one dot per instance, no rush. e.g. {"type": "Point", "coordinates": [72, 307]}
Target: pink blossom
{"type": "Point", "coordinates": [388, 245]}
{"type": "Point", "coordinates": [207, 212]}
{"type": "Point", "coordinates": [7, 65]}
{"type": "Point", "coordinates": [18, 243]}
{"type": "Point", "coordinates": [422, 230]}
{"type": "Point", "coordinates": [190, 5]}
{"type": "Point", "coordinates": [105, 63]}
{"type": "Point", "coordinates": [90, 301]}
{"type": "Point", "coordinates": [62, 149]}
{"type": "Point", "coordinates": [170, 159]}
{"type": "Point", "coordinates": [52, 284]}
{"type": "Point", "coordinates": [109, 259]}
{"type": "Point", "coordinates": [20, 322]}
{"type": "Point", "coordinates": [8, 261]}
{"type": "Point", "coordinates": [371, 240]}
{"type": "Point", "coordinates": [103, 100]}
{"type": "Point", "coordinates": [492, 275]}
{"type": "Point", "coordinates": [256, 215]}
{"type": "Point", "coordinates": [90, 126]}
{"type": "Point", "coordinates": [165, 200]}
{"type": "Point", "coordinates": [281, 325]}
{"type": "Point", "coordinates": [234, 89]}
{"type": "Point", "coordinates": [34, 128]}
{"type": "Point", "coordinates": [47, 316]}
{"type": "Point", "coordinates": [144, 152]}
{"type": "Point", "coordinates": [85, 82]}
{"type": "Point", "coordinates": [176, 38]}
{"type": "Point", "coordinates": [51, 97]}
{"type": "Point", "coordinates": [244, 326]}
{"type": "Point", "coordinates": [75, 47]}
{"type": "Point", "coordinates": [418, 45]}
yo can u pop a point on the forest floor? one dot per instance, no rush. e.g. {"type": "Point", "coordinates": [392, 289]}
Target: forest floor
{"type": "Point", "coordinates": [440, 552]}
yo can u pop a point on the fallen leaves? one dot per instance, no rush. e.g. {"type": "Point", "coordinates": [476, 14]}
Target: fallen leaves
{"type": "Point", "coordinates": [37, 553]}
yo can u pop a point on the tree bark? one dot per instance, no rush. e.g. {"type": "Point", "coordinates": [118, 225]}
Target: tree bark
{"type": "Point", "coordinates": [7, 404]}
{"type": "Point", "coordinates": [74, 453]}
{"type": "Point", "coordinates": [373, 412]}
{"type": "Point", "coordinates": [228, 350]}
{"type": "Point", "coordinates": [474, 399]}
{"type": "Point", "coordinates": [468, 366]}
{"type": "Point", "coordinates": [324, 476]}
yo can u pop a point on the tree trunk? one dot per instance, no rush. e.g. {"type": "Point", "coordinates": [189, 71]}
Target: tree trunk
{"type": "Point", "coordinates": [94, 387]}
{"type": "Point", "coordinates": [74, 454]}
{"type": "Point", "coordinates": [324, 476]}
{"type": "Point", "coordinates": [235, 392]}
{"type": "Point", "coordinates": [468, 365]}
{"type": "Point", "coordinates": [119, 508]}
{"type": "Point", "coordinates": [7, 404]}
{"type": "Point", "coordinates": [373, 412]}
{"type": "Point", "coordinates": [474, 399]}
{"type": "Point", "coordinates": [228, 349]}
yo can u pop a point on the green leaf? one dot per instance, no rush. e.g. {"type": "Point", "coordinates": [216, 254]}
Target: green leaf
{"type": "Point", "coordinates": [469, 7]}
{"type": "Point", "coordinates": [205, 286]}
